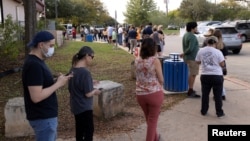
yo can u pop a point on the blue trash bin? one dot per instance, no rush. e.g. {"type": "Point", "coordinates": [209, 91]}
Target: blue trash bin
{"type": "Point", "coordinates": [175, 75]}
{"type": "Point", "coordinates": [89, 38]}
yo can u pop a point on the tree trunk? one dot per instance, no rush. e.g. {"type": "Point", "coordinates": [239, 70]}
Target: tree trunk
{"type": "Point", "coordinates": [30, 22]}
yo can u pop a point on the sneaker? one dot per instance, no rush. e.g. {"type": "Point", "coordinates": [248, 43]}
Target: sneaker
{"type": "Point", "coordinates": [204, 114]}
{"type": "Point", "coordinates": [193, 95]}
{"type": "Point", "coordinates": [221, 116]}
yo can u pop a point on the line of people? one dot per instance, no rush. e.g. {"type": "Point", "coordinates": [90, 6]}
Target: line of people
{"type": "Point", "coordinates": [211, 58]}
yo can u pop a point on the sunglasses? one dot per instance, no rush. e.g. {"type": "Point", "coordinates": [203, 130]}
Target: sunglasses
{"type": "Point", "coordinates": [92, 56]}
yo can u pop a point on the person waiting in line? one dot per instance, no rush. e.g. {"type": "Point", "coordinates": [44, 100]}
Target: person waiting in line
{"type": "Point", "coordinates": [105, 35]}
{"type": "Point", "coordinates": [147, 31]}
{"type": "Point", "coordinates": [190, 48]}
{"type": "Point", "coordinates": [114, 37]}
{"type": "Point", "coordinates": [81, 89]}
{"type": "Point", "coordinates": [109, 33]}
{"type": "Point", "coordinates": [212, 61]}
{"type": "Point", "coordinates": [74, 33]}
{"type": "Point", "coordinates": [220, 45]}
{"type": "Point", "coordinates": [162, 41]}
{"type": "Point", "coordinates": [39, 88]}
{"type": "Point", "coordinates": [157, 37]}
{"type": "Point", "coordinates": [120, 32]}
{"type": "Point", "coordinates": [132, 39]}
{"type": "Point", "coordinates": [149, 86]}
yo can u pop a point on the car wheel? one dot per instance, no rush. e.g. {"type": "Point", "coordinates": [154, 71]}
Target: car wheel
{"type": "Point", "coordinates": [236, 51]}
{"type": "Point", "coordinates": [243, 38]}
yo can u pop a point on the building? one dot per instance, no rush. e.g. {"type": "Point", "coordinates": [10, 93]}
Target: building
{"type": "Point", "coordinates": [16, 9]}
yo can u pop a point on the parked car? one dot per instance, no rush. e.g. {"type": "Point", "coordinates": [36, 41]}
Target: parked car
{"type": "Point", "coordinates": [209, 23]}
{"type": "Point", "coordinates": [97, 27]}
{"type": "Point", "coordinates": [230, 36]}
{"type": "Point", "coordinates": [172, 27]}
{"type": "Point", "coordinates": [243, 28]}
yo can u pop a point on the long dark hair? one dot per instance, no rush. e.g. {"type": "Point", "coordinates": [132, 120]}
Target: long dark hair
{"type": "Point", "coordinates": [148, 48]}
{"type": "Point", "coordinates": [85, 50]}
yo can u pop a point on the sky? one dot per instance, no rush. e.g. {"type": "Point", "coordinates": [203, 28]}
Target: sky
{"type": "Point", "coordinates": [120, 6]}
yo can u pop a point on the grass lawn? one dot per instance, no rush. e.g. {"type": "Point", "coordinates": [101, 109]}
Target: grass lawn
{"type": "Point", "coordinates": [171, 32]}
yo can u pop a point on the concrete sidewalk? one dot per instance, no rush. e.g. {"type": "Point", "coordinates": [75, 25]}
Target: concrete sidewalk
{"type": "Point", "coordinates": [183, 122]}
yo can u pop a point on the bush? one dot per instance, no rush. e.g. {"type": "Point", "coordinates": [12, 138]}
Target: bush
{"type": "Point", "coordinates": [10, 38]}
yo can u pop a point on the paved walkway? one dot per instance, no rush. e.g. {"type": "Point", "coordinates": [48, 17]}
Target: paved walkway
{"type": "Point", "coordinates": [183, 122]}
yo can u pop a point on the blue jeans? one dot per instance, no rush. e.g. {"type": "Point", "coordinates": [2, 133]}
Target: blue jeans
{"type": "Point", "coordinates": [45, 129]}
{"type": "Point", "coordinates": [120, 38]}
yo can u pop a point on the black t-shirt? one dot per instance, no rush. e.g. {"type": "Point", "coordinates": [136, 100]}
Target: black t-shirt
{"type": "Point", "coordinates": [36, 73]}
{"type": "Point", "coordinates": [147, 31]}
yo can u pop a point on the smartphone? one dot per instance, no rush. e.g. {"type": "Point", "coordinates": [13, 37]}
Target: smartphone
{"type": "Point", "coordinates": [100, 89]}
{"type": "Point", "coordinates": [69, 73]}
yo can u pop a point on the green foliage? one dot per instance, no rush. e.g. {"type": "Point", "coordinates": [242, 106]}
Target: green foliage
{"type": "Point", "coordinates": [78, 12]}
{"type": "Point", "coordinates": [195, 10]}
{"type": "Point", "coordinates": [11, 35]}
{"type": "Point", "coordinates": [138, 11]}
{"type": "Point", "coordinates": [41, 25]}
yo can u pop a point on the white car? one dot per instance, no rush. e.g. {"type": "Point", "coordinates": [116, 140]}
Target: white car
{"type": "Point", "coordinates": [231, 37]}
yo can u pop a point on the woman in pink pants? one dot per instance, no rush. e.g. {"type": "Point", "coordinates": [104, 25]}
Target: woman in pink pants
{"type": "Point", "coordinates": [149, 81]}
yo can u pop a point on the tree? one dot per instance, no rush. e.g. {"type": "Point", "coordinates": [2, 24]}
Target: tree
{"type": "Point", "coordinates": [30, 22]}
{"type": "Point", "coordinates": [195, 10]}
{"type": "Point", "coordinates": [138, 11]}
{"type": "Point", "coordinates": [78, 11]}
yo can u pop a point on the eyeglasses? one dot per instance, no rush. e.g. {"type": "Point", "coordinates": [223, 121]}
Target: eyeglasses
{"type": "Point", "coordinates": [92, 56]}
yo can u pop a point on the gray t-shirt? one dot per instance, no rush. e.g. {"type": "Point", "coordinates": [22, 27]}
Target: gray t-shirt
{"type": "Point", "coordinates": [78, 87]}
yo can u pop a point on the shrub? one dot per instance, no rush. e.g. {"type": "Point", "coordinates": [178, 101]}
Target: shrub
{"type": "Point", "coordinates": [10, 39]}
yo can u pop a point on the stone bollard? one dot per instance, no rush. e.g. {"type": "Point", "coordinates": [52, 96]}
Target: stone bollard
{"type": "Point", "coordinates": [111, 101]}
{"type": "Point", "coordinates": [16, 124]}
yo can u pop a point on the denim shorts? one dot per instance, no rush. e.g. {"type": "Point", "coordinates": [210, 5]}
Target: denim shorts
{"type": "Point", "coordinates": [45, 129]}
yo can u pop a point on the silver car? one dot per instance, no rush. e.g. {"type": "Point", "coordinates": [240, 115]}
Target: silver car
{"type": "Point", "coordinates": [231, 37]}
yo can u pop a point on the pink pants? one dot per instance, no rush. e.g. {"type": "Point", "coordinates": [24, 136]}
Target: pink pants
{"type": "Point", "coordinates": [151, 106]}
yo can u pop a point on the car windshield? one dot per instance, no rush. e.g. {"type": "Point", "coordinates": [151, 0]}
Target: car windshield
{"type": "Point", "coordinates": [228, 30]}
{"type": "Point", "coordinates": [202, 29]}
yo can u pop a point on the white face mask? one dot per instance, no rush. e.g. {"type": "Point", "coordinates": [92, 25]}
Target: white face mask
{"type": "Point", "coordinates": [50, 52]}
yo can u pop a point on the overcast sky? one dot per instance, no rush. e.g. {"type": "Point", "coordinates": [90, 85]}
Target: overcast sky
{"type": "Point", "coordinates": [120, 7]}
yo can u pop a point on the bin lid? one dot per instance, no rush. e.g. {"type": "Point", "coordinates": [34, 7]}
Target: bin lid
{"type": "Point", "coordinates": [171, 60]}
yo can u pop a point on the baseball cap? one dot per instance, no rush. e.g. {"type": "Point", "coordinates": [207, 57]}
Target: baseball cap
{"type": "Point", "coordinates": [42, 36]}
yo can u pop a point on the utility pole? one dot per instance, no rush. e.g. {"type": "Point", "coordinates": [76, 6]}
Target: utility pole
{"type": "Point", "coordinates": [166, 2]}
{"type": "Point", "coordinates": [56, 14]}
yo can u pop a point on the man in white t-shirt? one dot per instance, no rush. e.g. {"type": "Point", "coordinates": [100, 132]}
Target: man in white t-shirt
{"type": "Point", "coordinates": [120, 32]}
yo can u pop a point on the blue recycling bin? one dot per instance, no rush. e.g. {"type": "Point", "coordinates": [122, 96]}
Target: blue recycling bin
{"type": "Point", "coordinates": [89, 38]}
{"type": "Point", "coordinates": [175, 73]}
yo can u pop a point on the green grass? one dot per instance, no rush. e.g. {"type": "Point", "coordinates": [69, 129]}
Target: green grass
{"type": "Point", "coordinates": [171, 32]}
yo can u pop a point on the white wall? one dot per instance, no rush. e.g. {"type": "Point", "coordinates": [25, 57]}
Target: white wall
{"type": "Point", "coordinates": [14, 8]}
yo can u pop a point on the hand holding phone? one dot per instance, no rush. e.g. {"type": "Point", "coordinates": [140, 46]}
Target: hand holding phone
{"type": "Point", "coordinates": [69, 73]}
